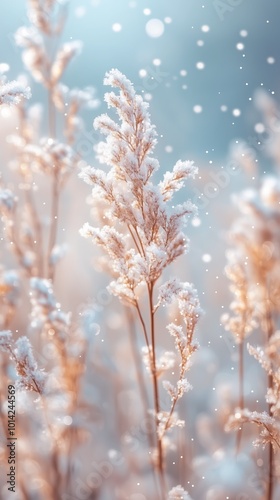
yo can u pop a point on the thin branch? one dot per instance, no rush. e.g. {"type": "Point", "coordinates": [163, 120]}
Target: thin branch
{"type": "Point", "coordinates": [37, 229]}
{"type": "Point", "coordinates": [241, 391]}
{"type": "Point", "coordinates": [269, 332]}
{"type": "Point", "coordinates": [54, 225]}
{"type": "Point", "coordinates": [156, 391]}
{"type": "Point", "coordinates": [143, 324]}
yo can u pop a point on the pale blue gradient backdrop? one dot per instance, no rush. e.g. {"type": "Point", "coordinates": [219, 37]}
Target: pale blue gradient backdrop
{"type": "Point", "coordinates": [222, 82]}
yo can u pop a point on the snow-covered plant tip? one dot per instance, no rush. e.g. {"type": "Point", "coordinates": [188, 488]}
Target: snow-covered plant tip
{"type": "Point", "coordinates": [142, 234]}
{"type": "Point", "coordinates": [178, 493]}
{"type": "Point", "coordinates": [11, 92]}
{"type": "Point", "coordinates": [30, 377]}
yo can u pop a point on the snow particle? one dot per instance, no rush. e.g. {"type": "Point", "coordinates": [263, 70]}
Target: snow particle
{"type": "Point", "coordinates": [259, 128]}
{"type": "Point", "coordinates": [5, 112]}
{"type": "Point", "coordinates": [236, 112]}
{"type": "Point", "coordinates": [243, 33]}
{"type": "Point", "coordinates": [240, 46]}
{"type": "Point", "coordinates": [116, 27]}
{"type": "Point", "coordinates": [205, 28]}
{"type": "Point", "coordinates": [4, 67]}
{"type": "Point", "coordinates": [155, 28]}
{"type": "Point", "coordinates": [200, 65]}
{"type": "Point", "coordinates": [80, 12]}
{"type": "Point", "coordinates": [156, 62]}
{"type": "Point", "coordinates": [67, 420]}
{"type": "Point", "coordinates": [147, 12]}
{"type": "Point", "coordinates": [183, 72]}
{"type": "Point", "coordinates": [206, 257]}
{"type": "Point", "coordinates": [270, 60]}
{"type": "Point", "coordinates": [196, 222]}
{"type": "Point", "coordinates": [142, 73]}
{"type": "Point", "coordinates": [197, 108]}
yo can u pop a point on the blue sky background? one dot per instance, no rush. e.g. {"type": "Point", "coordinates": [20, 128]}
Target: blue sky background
{"type": "Point", "coordinates": [229, 78]}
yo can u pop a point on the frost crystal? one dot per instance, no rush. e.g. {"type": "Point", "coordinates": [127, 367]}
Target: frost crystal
{"type": "Point", "coordinates": [7, 200]}
{"type": "Point", "coordinates": [178, 493]}
{"type": "Point", "coordinates": [13, 92]}
{"type": "Point", "coordinates": [30, 377]}
{"type": "Point", "coordinates": [5, 340]}
{"type": "Point", "coordinates": [46, 312]}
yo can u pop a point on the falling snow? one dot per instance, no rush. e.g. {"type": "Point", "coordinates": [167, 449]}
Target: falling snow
{"type": "Point", "coordinates": [155, 28]}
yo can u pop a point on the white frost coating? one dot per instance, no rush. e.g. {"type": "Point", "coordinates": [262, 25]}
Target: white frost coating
{"type": "Point", "coordinates": [13, 92]}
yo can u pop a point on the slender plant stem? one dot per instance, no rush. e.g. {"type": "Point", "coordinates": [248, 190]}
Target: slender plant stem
{"type": "Point", "coordinates": [18, 250]}
{"type": "Point", "coordinates": [134, 239]}
{"type": "Point", "coordinates": [137, 360]}
{"type": "Point", "coordinates": [52, 117]}
{"type": "Point", "coordinates": [174, 402]}
{"type": "Point", "coordinates": [30, 200]}
{"type": "Point", "coordinates": [162, 491]}
{"type": "Point", "coordinates": [54, 224]}
{"type": "Point", "coordinates": [38, 230]}
{"type": "Point", "coordinates": [269, 331]}
{"type": "Point", "coordinates": [55, 190]}
{"type": "Point", "coordinates": [140, 375]}
{"type": "Point", "coordinates": [54, 457]}
{"type": "Point", "coordinates": [140, 241]}
{"type": "Point", "coordinates": [143, 325]}
{"type": "Point", "coordinates": [270, 455]}
{"type": "Point", "coordinates": [156, 391]}
{"type": "Point", "coordinates": [270, 470]}
{"type": "Point", "coordinates": [67, 481]}
{"type": "Point", "coordinates": [241, 391]}
{"type": "Point", "coordinates": [169, 416]}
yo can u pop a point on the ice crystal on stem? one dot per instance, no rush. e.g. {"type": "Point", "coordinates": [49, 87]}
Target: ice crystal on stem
{"type": "Point", "coordinates": [5, 340]}
{"type": "Point", "coordinates": [30, 377]}
{"type": "Point", "coordinates": [190, 311]}
{"type": "Point", "coordinates": [270, 428]}
{"type": "Point", "coordinates": [244, 319]}
{"type": "Point", "coordinates": [46, 312]}
{"type": "Point", "coordinates": [7, 201]}
{"type": "Point", "coordinates": [13, 92]}
{"type": "Point", "coordinates": [178, 493]}
{"type": "Point", "coordinates": [269, 358]}
{"type": "Point", "coordinates": [66, 52]}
